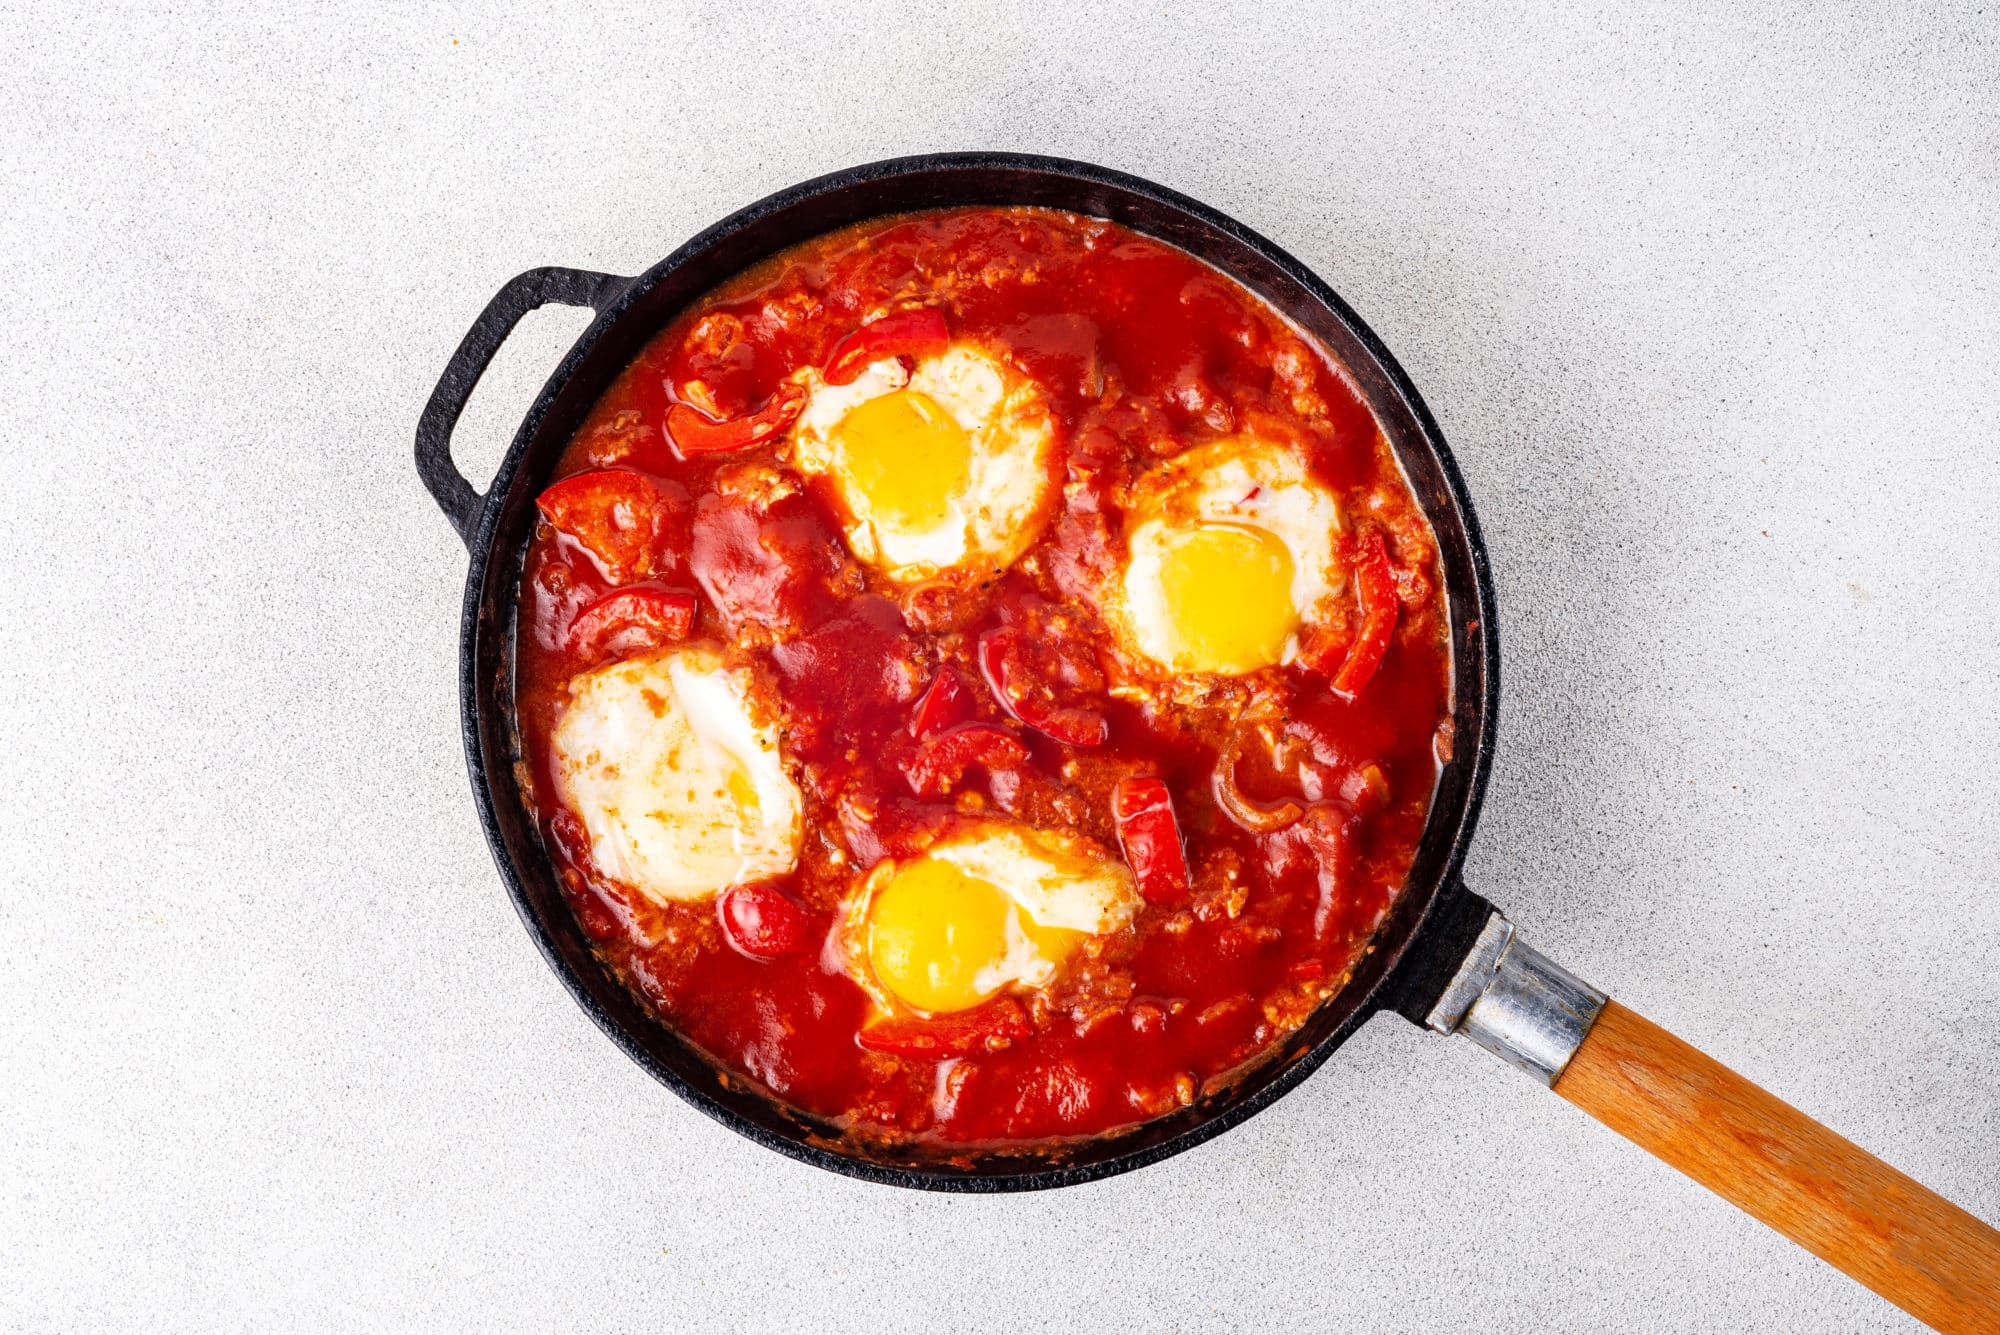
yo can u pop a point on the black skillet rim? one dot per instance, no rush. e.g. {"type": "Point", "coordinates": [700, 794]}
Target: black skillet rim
{"type": "Point", "coordinates": [1232, 1107]}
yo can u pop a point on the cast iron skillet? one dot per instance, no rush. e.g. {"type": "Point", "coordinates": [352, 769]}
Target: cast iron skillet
{"type": "Point", "coordinates": [630, 311]}
{"type": "Point", "coordinates": [1443, 958]}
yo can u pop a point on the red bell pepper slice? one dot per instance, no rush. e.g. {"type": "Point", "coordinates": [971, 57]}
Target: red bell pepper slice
{"type": "Point", "coordinates": [763, 921]}
{"type": "Point", "coordinates": [1143, 811]}
{"type": "Point", "coordinates": [1031, 700]}
{"type": "Point", "coordinates": [1350, 661]}
{"type": "Point", "coordinates": [962, 1034]}
{"type": "Point", "coordinates": [942, 761]}
{"type": "Point", "coordinates": [906, 334]}
{"type": "Point", "coordinates": [630, 621]}
{"type": "Point", "coordinates": [1375, 586]}
{"type": "Point", "coordinates": [944, 703]}
{"type": "Point", "coordinates": [622, 517]}
{"type": "Point", "coordinates": [692, 431]}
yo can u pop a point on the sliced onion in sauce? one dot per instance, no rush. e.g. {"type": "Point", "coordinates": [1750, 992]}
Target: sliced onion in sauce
{"type": "Point", "coordinates": [1240, 807]}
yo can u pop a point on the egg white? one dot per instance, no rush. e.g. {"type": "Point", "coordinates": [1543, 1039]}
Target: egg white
{"type": "Point", "coordinates": [1243, 481]}
{"type": "Point", "coordinates": [1060, 879]}
{"type": "Point", "coordinates": [1010, 489]}
{"type": "Point", "coordinates": [681, 792]}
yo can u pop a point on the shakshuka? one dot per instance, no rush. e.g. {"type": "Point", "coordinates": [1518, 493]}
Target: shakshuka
{"type": "Point", "coordinates": [983, 676]}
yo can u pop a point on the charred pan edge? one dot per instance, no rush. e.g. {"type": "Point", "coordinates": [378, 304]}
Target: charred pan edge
{"type": "Point", "coordinates": [1414, 952]}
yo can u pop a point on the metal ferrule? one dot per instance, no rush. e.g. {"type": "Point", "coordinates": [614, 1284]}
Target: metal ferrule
{"type": "Point", "coordinates": [1517, 1003]}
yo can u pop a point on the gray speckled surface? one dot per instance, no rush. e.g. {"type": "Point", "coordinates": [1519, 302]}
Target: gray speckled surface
{"type": "Point", "coordinates": [1707, 305]}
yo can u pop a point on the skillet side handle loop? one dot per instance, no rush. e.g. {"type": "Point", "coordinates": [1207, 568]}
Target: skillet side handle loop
{"type": "Point", "coordinates": [1839, 1202]}
{"type": "Point", "coordinates": [1907, 1243]}
{"type": "Point", "coordinates": [535, 288]}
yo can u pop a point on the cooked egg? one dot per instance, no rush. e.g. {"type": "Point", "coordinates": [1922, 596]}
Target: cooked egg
{"type": "Point", "coordinates": [945, 467]}
{"type": "Point", "coordinates": [682, 792]}
{"type": "Point", "coordinates": [1231, 552]}
{"type": "Point", "coordinates": [995, 907]}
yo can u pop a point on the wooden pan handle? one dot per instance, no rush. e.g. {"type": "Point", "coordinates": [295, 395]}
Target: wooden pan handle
{"type": "Point", "coordinates": [1839, 1202]}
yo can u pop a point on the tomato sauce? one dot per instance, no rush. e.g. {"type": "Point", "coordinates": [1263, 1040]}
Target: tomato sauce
{"type": "Point", "coordinates": [1298, 807]}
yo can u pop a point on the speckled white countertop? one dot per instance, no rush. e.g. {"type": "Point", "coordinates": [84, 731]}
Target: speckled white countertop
{"type": "Point", "coordinates": [1707, 305]}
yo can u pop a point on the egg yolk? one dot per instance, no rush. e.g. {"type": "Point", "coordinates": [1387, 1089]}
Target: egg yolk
{"type": "Point", "coordinates": [906, 456]}
{"type": "Point", "coordinates": [939, 938]}
{"type": "Point", "coordinates": [743, 796]}
{"type": "Point", "coordinates": [1228, 592]}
